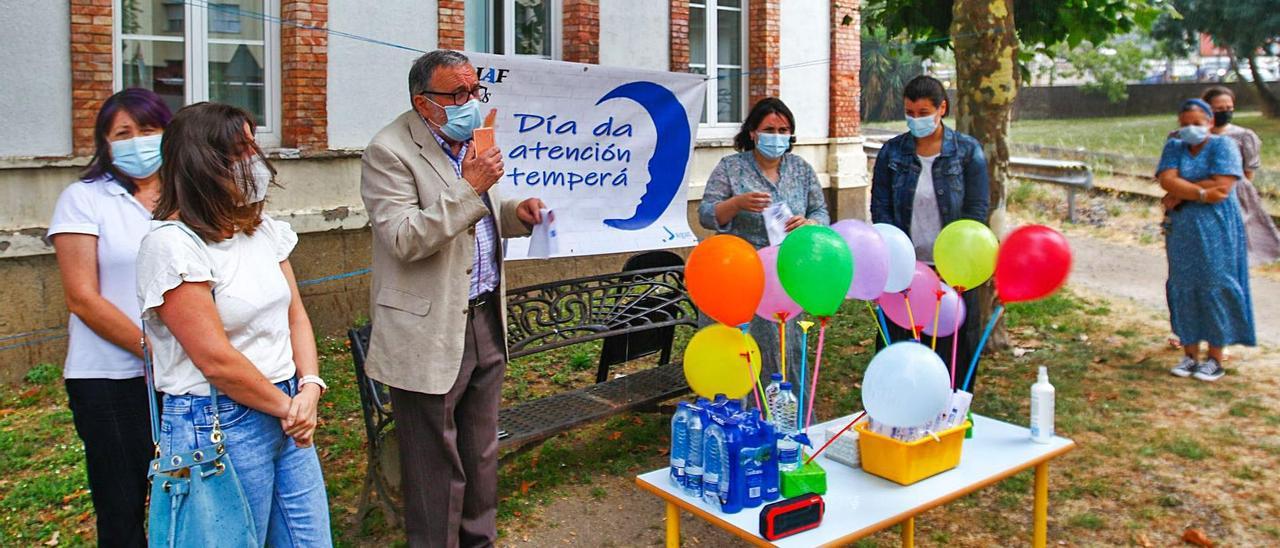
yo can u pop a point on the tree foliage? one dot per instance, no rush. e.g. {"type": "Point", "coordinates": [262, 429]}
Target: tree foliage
{"type": "Point", "coordinates": [1244, 27]}
{"type": "Point", "coordinates": [887, 66]}
{"type": "Point", "coordinates": [1040, 23]}
{"type": "Point", "coordinates": [1110, 67]}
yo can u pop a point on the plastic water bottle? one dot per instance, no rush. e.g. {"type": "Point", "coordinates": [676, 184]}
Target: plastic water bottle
{"type": "Point", "coordinates": [771, 391]}
{"type": "Point", "coordinates": [693, 461]}
{"type": "Point", "coordinates": [786, 413]}
{"type": "Point", "coordinates": [679, 444]}
{"type": "Point", "coordinates": [716, 466]}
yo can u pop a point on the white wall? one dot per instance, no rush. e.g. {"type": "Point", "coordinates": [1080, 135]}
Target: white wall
{"type": "Point", "coordinates": [368, 83]}
{"type": "Point", "coordinates": [806, 39]}
{"type": "Point", "coordinates": [635, 34]}
{"type": "Point", "coordinates": [35, 89]}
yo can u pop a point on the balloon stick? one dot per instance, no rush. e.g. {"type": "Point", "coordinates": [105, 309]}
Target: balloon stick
{"type": "Point", "coordinates": [973, 363]}
{"type": "Point", "coordinates": [782, 335]}
{"type": "Point", "coordinates": [911, 317]}
{"type": "Point", "coordinates": [817, 367]}
{"type": "Point", "coordinates": [880, 328]}
{"type": "Point", "coordinates": [833, 438]}
{"type": "Point", "coordinates": [937, 313]}
{"type": "Point", "coordinates": [884, 324]}
{"type": "Point", "coordinates": [955, 337]}
{"type": "Point", "coordinates": [804, 359]}
{"type": "Point", "coordinates": [756, 388]}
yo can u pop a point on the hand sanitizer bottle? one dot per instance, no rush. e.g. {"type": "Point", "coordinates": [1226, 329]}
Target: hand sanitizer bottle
{"type": "Point", "coordinates": [1042, 395]}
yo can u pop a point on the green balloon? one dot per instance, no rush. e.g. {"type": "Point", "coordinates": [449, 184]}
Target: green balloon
{"type": "Point", "coordinates": [815, 267]}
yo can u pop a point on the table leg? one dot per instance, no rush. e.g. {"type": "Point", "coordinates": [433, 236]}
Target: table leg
{"type": "Point", "coordinates": [673, 526]}
{"type": "Point", "coordinates": [1040, 519]}
{"type": "Point", "coordinates": [909, 532]}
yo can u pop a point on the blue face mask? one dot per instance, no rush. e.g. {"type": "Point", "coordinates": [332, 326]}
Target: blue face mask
{"type": "Point", "coordinates": [922, 127]}
{"type": "Point", "coordinates": [1193, 135]}
{"type": "Point", "coordinates": [772, 145]}
{"type": "Point", "coordinates": [463, 120]}
{"type": "Point", "coordinates": [138, 157]}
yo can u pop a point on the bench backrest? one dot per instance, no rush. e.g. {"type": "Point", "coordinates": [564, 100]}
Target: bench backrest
{"type": "Point", "coordinates": [563, 313]}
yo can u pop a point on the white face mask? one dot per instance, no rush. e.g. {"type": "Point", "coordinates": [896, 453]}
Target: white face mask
{"type": "Point", "coordinates": [255, 183]}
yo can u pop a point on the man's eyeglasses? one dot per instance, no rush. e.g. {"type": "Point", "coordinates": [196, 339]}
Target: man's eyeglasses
{"type": "Point", "coordinates": [480, 93]}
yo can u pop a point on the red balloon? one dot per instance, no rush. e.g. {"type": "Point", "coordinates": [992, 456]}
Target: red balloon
{"type": "Point", "coordinates": [1034, 262]}
{"type": "Point", "coordinates": [725, 279]}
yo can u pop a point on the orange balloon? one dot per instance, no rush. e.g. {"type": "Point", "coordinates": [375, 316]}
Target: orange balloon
{"type": "Point", "coordinates": [725, 279]}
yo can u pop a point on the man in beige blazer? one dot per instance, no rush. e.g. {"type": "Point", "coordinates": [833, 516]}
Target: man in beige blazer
{"type": "Point", "coordinates": [438, 299]}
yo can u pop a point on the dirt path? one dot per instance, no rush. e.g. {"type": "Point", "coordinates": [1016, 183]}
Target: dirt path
{"type": "Point", "coordinates": [1137, 273]}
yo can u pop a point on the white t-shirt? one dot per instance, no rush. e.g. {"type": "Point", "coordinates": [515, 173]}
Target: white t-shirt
{"type": "Point", "coordinates": [926, 221]}
{"type": "Point", "coordinates": [249, 289]}
{"type": "Point", "coordinates": [104, 209]}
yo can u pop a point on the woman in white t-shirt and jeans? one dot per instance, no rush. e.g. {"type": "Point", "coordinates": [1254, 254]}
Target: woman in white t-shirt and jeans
{"type": "Point", "coordinates": [221, 307]}
{"type": "Point", "coordinates": [97, 226]}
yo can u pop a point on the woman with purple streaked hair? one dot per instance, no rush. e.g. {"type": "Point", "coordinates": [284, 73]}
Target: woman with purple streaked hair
{"type": "Point", "coordinates": [96, 231]}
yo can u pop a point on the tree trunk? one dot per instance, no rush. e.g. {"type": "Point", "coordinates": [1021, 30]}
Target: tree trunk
{"type": "Point", "coordinates": [1270, 104]}
{"type": "Point", "coordinates": [986, 84]}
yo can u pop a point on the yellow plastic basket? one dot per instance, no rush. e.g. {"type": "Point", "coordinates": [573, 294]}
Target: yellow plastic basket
{"type": "Point", "coordinates": [909, 462]}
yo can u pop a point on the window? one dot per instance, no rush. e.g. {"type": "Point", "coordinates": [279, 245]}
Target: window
{"type": "Point", "coordinates": [717, 46]}
{"type": "Point", "coordinates": [519, 27]}
{"type": "Point", "coordinates": [189, 52]}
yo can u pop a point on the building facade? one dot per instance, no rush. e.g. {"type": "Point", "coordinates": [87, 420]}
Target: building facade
{"type": "Point", "coordinates": [322, 76]}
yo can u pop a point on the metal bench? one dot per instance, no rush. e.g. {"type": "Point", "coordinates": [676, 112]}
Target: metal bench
{"type": "Point", "coordinates": [635, 313]}
{"type": "Point", "coordinates": [1072, 174]}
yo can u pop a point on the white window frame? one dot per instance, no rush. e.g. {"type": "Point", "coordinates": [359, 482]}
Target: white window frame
{"type": "Point", "coordinates": [508, 32]}
{"type": "Point", "coordinates": [714, 128]}
{"type": "Point", "coordinates": [195, 41]}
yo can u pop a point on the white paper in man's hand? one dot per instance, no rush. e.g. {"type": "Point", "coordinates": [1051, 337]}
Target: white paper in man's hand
{"type": "Point", "coordinates": [544, 241]}
{"type": "Point", "coordinates": [775, 221]}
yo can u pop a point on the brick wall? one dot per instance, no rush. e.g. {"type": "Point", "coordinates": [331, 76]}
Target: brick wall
{"type": "Point", "coordinates": [680, 35]}
{"type": "Point", "coordinates": [581, 31]}
{"type": "Point", "coordinates": [846, 46]}
{"type": "Point", "coordinates": [304, 72]}
{"type": "Point", "coordinates": [764, 27]}
{"type": "Point", "coordinates": [452, 24]}
{"type": "Point", "coordinates": [91, 71]}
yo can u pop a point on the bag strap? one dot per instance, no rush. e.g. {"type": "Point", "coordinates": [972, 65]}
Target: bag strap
{"type": "Point", "coordinates": [148, 371]}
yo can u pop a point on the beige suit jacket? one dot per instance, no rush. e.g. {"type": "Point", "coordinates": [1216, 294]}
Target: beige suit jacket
{"type": "Point", "coordinates": [423, 218]}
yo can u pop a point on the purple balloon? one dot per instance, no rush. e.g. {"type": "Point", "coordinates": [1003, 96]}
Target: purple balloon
{"type": "Point", "coordinates": [870, 258]}
{"type": "Point", "coordinates": [923, 293]}
{"type": "Point", "coordinates": [951, 307]}
{"type": "Point", "coordinates": [775, 300]}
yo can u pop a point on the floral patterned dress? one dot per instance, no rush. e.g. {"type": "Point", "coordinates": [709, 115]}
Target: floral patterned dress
{"type": "Point", "coordinates": [1208, 287]}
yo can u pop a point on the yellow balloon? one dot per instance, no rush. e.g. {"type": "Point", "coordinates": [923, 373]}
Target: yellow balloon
{"type": "Point", "coordinates": [965, 253]}
{"type": "Point", "coordinates": [716, 362]}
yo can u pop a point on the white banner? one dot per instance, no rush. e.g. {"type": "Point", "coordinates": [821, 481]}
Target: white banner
{"type": "Point", "coordinates": [607, 149]}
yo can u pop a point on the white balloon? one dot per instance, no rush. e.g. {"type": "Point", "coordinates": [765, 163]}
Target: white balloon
{"type": "Point", "coordinates": [902, 257]}
{"type": "Point", "coordinates": [905, 385]}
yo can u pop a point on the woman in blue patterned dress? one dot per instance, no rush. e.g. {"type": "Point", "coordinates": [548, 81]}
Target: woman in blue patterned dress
{"type": "Point", "coordinates": [743, 185]}
{"type": "Point", "coordinates": [1208, 287]}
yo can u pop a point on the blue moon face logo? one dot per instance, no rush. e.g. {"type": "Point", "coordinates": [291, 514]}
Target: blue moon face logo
{"type": "Point", "coordinates": [670, 153]}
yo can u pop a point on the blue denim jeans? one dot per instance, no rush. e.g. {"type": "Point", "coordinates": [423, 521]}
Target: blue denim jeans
{"type": "Point", "coordinates": [281, 480]}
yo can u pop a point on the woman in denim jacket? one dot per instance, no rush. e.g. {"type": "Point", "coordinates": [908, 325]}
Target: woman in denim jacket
{"type": "Point", "coordinates": [926, 178]}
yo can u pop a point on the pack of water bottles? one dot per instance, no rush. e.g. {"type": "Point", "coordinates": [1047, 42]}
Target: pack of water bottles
{"type": "Point", "coordinates": [731, 457]}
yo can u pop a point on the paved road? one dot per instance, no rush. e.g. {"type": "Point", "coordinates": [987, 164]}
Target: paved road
{"type": "Point", "coordinates": [1138, 274]}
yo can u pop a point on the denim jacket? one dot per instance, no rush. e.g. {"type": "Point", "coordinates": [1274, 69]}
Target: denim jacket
{"type": "Point", "coordinates": [959, 177]}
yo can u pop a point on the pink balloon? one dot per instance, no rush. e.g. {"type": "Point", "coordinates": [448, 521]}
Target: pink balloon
{"type": "Point", "coordinates": [952, 305]}
{"type": "Point", "coordinates": [775, 300]}
{"type": "Point", "coordinates": [923, 293]}
{"type": "Point", "coordinates": [870, 258]}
